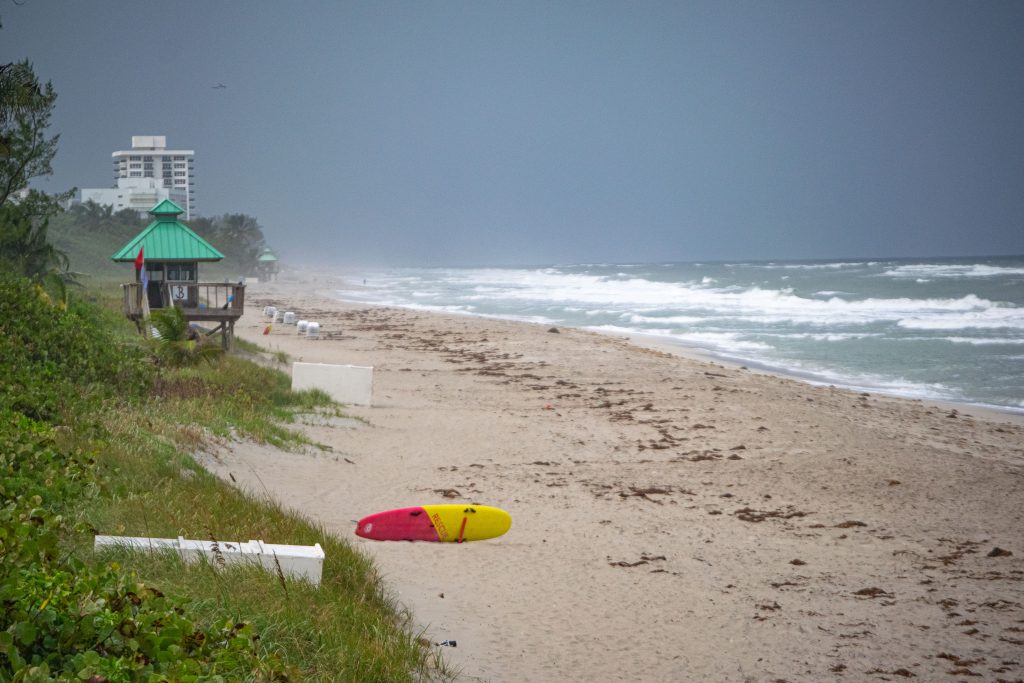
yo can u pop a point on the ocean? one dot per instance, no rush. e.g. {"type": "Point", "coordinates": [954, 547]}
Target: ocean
{"type": "Point", "coordinates": [937, 329]}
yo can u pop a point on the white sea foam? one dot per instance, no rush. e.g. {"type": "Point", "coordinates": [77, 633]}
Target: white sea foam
{"type": "Point", "coordinates": [601, 295]}
{"type": "Point", "coordinates": [983, 341]}
{"type": "Point", "coordinates": [722, 342]}
{"type": "Point", "coordinates": [807, 266]}
{"type": "Point", "coordinates": [992, 318]}
{"type": "Point", "coordinates": [826, 336]}
{"type": "Point", "coordinates": [664, 320]}
{"type": "Point", "coordinates": [946, 270]}
{"type": "Point", "coordinates": [436, 309]}
{"type": "Point", "coordinates": [895, 386]}
{"type": "Point", "coordinates": [790, 321]}
{"type": "Point", "coordinates": [619, 329]}
{"type": "Point", "coordinates": [729, 342]}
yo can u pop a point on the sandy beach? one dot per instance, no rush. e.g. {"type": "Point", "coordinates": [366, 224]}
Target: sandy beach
{"type": "Point", "coordinates": [674, 519]}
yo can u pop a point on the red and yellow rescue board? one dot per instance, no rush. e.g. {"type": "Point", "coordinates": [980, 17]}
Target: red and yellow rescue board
{"type": "Point", "coordinates": [438, 523]}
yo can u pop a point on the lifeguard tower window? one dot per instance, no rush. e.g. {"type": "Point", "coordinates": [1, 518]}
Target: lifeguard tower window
{"type": "Point", "coordinates": [183, 272]}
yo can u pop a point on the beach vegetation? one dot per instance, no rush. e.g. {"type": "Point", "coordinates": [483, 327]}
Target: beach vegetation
{"type": "Point", "coordinates": [26, 153]}
{"type": "Point", "coordinates": [97, 436]}
{"type": "Point", "coordinates": [238, 236]}
{"type": "Point", "coordinates": [177, 343]}
{"type": "Point", "coordinates": [89, 233]}
{"type": "Point", "coordinates": [25, 109]}
{"type": "Point", "coordinates": [26, 249]}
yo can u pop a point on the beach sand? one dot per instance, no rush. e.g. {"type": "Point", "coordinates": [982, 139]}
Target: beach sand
{"type": "Point", "coordinates": [673, 519]}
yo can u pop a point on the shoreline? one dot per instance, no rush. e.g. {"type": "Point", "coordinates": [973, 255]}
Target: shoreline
{"type": "Point", "coordinates": [980, 410]}
{"type": "Point", "coordinates": [673, 519]}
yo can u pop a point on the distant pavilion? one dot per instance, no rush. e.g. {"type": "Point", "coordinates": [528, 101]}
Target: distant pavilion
{"type": "Point", "coordinates": [172, 253]}
{"type": "Point", "coordinates": [267, 265]}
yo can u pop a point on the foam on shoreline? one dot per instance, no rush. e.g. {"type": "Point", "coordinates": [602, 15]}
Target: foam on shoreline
{"type": "Point", "coordinates": [695, 352]}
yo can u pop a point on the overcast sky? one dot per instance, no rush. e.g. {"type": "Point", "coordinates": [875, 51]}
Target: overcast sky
{"type": "Point", "coordinates": [458, 133]}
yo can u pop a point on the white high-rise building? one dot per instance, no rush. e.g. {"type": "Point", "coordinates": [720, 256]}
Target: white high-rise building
{"type": "Point", "coordinates": [150, 158]}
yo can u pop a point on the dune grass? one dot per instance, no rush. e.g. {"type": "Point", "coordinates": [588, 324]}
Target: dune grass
{"type": "Point", "coordinates": [97, 437]}
{"type": "Point", "coordinates": [347, 628]}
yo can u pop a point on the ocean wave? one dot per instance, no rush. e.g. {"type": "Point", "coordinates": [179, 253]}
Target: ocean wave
{"type": "Point", "coordinates": [664, 320]}
{"type": "Point", "coordinates": [983, 341]}
{"type": "Point", "coordinates": [722, 342]}
{"type": "Point", "coordinates": [775, 306]}
{"type": "Point", "coordinates": [468, 310]}
{"type": "Point", "coordinates": [893, 386]}
{"type": "Point", "coordinates": [685, 301]}
{"type": "Point", "coordinates": [993, 318]}
{"type": "Point", "coordinates": [925, 272]}
{"type": "Point", "coordinates": [619, 329]}
{"type": "Point", "coordinates": [806, 266]}
{"type": "Point", "coordinates": [758, 318]}
{"type": "Point", "coordinates": [825, 336]}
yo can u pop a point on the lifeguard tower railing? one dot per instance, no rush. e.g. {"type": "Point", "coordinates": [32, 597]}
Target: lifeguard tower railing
{"type": "Point", "coordinates": [220, 303]}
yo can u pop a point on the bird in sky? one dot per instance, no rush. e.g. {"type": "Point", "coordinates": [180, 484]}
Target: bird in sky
{"type": "Point", "coordinates": [218, 86]}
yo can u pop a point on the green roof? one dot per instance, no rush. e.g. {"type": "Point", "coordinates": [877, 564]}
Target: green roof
{"type": "Point", "coordinates": [266, 256]}
{"type": "Point", "coordinates": [167, 208]}
{"type": "Point", "coordinates": [167, 239]}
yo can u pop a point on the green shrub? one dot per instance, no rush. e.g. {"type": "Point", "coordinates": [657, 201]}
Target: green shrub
{"type": "Point", "coordinates": [92, 436]}
{"type": "Point", "coordinates": [57, 361]}
{"type": "Point", "coordinates": [177, 344]}
{"type": "Point", "coordinates": [65, 620]}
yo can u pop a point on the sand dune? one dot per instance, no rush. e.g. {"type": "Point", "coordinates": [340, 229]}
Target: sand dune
{"type": "Point", "coordinates": [674, 519]}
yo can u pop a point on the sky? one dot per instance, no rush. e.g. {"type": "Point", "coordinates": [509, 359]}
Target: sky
{"type": "Point", "coordinates": [525, 133]}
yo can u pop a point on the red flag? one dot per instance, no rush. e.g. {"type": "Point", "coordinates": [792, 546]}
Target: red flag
{"type": "Point", "coordinates": [139, 260]}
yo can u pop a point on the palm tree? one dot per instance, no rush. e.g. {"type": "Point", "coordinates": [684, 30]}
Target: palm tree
{"type": "Point", "coordinates": [241, 237]}
{"type": "Point", "coordinates": [25, 250]}
{"type": "Point", "coordinates": [94, 217]}
{"type": "Point", "coordinates": [178, 344]}
{"type": "Point", "coordinates": [24, 247]}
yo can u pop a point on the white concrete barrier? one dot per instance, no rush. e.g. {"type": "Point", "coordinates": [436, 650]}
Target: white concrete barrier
{"type": "Point", "coordinates": [344, 383]}
{"type": "Point", "coordinates": [297, 561]}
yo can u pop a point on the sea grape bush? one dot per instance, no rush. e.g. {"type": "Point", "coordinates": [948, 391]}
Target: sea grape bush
{"type": "Point", "coordinates": [65, 620]}
{"type": "Point", "coordinates": [61, 618]}
{"type": "Point", "coordinates": [57, 362]}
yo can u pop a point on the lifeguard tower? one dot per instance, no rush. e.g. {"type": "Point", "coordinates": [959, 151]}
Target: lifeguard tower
{"type": "Point", "coordinates": [171, 254]}
{"type": "Point", "coordinates": [267, 265]}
